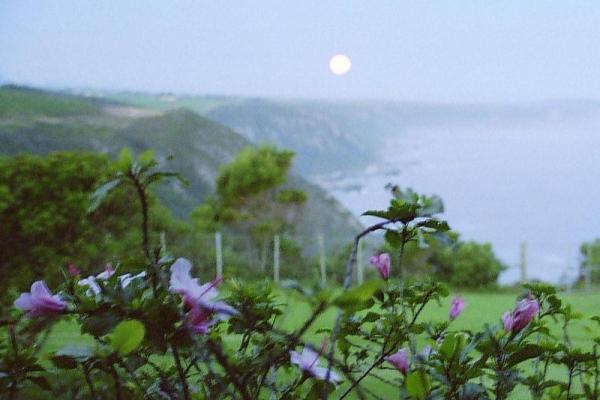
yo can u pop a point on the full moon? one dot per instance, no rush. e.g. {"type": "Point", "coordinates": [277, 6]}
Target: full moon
{"type": "Point", "coordinates": [340, 64]}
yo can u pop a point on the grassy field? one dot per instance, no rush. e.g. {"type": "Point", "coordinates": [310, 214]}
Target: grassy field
{"type": "Point", "coordinates": [482, 308]}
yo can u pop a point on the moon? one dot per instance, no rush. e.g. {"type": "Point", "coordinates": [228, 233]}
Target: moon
{"type": "Point", "coordinates": [340, 64]}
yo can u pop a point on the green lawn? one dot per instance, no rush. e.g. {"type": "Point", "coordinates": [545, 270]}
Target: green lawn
{"type": "Point", "coordinates": [482, 308]}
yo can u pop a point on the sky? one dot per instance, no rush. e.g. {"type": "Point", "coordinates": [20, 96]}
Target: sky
{"type": "Point", "coordinates": [442, 51]}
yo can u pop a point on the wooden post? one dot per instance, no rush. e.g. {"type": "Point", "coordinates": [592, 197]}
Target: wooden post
{"type": "Point", "coordinates": [523, 262]}
{"type": "Point", "coordinates": [322, 260]}
{"type": "Point", "coordinates": [219, 254]}
{"type": "Point", "coordinates": [359, 263]}
{"type": "Point", "coordinates": [276, 258]}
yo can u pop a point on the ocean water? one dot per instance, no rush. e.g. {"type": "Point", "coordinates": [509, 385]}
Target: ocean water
{"type": "Point", "coordinates": [536, 182]}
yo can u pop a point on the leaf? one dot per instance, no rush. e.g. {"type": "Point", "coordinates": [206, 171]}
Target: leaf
{"type": "Point", "coordinates": [99, 325]}
{"type": "Point", "coordinates": [127, 336]}
{"type": "Point", "coordinates": [359, 297]}
{"type": "Point", "coordinates": [317, 389]}
{"type": "Point", "coordinates": [448, 346]}
{"type": "Point", "coordinates": [417, 385]}
{"type": "Point", "coordinates": [41, 381]}
{"type": "Point", "coordinates": [379, 214]}
{"type": "Point", "coordinates": [125, 160]}
{"type": "Point", "coordinates": [394, 238]}
{"type": "Point", "coordinates": [439, 226]}
{"type": "Point", "coordinates": [431, 205]}
{"type": "Point", "coordinates": [68, 357]}
{"type": "Point", "coordinates": [146, 157]}
{"type": "Point", "coordinates": [100, 193]}
{"type": "Point", "coordinates": [525, 352]}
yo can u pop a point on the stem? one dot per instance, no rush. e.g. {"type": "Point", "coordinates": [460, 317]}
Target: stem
{"type": "Point", "coordinates": [117, 380]}
{"type": "Point", "coordinates": [384, 354]}
{"type": "Point", "coordinates": [134, 378]}
{"type": "Point", "coordinates": [144, 203]}
{"type": "Point", "coordinates": [231, 372]}
{"type": "Point", "coordinates": [570, 382]}
{"type": "Point", "coordinates": [88, 381]}
{"type": "Point", "coordinates": [596, 371]}
{"type": "Point", "coordinates": [181, 373]}
{"type": "Point", "coordinates": [347, 281]}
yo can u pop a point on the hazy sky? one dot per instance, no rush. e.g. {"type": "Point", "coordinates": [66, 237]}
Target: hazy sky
{"type": "Point", "coordinates": [441, 51]}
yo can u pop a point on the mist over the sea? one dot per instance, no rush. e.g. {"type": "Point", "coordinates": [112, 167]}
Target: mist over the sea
{"type": "Point", "coordinates": [536, 182]}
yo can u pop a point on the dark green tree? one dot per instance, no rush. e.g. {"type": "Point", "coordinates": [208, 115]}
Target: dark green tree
{"type": "Point", "coordinates": [44, 202]}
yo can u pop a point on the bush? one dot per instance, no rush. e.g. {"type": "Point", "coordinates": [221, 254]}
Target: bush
{"type": "Point", "coordinates": [161, 334]}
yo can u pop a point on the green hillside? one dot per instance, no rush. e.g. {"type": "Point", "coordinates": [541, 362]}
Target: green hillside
{"type": "Point", "coordinates": [39, 122]}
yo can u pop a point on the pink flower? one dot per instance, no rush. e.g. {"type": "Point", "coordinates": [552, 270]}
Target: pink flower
{"type": "Point", "coordinates": [399, 360]}
{"type": "Point", "coordinates": [73, 270]}
{"type": "Point", "coordinates": [90, 281]}
{"type": "Point", "coordinates": [382, 263]}
{"type": "Point", "coordinates": [524, 312]}
{"type": "Point", "coordinates": [40, 302]}
{"type": "Point", "coordinates": [507, 321]}
{"type": "Point", "coordinates": [200, 319]}
{"type": "Point", "coordinates": [457, 306]}
{"type": "Point", "coordinates": [108, 272]}
{"type": "Point", "coordinates": [308, 362]}
{"type": "Point", "coordinates": [200, 300]}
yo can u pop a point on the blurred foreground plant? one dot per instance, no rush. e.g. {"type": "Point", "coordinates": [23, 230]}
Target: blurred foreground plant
{"type": "Point", "coordinates": [161, 334]}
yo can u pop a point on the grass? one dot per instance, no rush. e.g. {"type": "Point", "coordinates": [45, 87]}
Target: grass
{"type": "Point", "coordinates": [29, 102]}
{"type": "Point", "coordinates": [482, 308]}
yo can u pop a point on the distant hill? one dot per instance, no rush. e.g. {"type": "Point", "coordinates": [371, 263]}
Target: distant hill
{"type": "Point", "coordinates": [346, 136]}
{"type": "Point", "coordinates": [40, 122]}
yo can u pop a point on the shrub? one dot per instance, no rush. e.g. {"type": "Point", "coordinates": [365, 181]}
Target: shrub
{"type": "Point", "coordinates": [162, 334]}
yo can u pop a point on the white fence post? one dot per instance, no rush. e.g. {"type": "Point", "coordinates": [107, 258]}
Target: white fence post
{"type": "Point", "coordinates": [276, 258]}
{"type": "Point", "coordinates": [322, 261]}
{"type": "Point", "coordinates": [219, 254]}
{"type": "Point", "coordinates": [523, 262]}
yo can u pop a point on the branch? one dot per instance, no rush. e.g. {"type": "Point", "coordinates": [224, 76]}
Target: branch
{"type": "Point", "coordinates": [222, 359]}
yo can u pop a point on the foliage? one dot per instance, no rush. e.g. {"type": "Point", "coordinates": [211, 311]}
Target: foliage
{"type": "Point", "coordinates": [251, 202]}
{"type": "Point", "coordinates": [161, 334]}
{"type": "Point", "coordinates": [469, 264]}
{"type": "Point", "coordinates": [39, 122]}
{"type": "Point", "coordinates": [590, 259]}
{"type": "Point", "coordinates": [46, 224]}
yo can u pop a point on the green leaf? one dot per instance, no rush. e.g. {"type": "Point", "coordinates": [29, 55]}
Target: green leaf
{"type": "Point", "coordinates": [127, 336]}
{"type": "Point", "coordinates": [125, 160]}
{"type": "Point", "coordinates": [359, 297]}
{"type": "Point", "coordinates": [379, 214]}
{"type": "Point", "coordinates": [146, 157]}
{"type": "Point", "coordinates": [439, 226]}
{"type": "Point", "coordinates": [41, 381]}
{"type": "Point", "coordinates": [68, 357]}
{"type": "Point", "coordinates": [394, 238]}
{"type": "Point", "coordinates": [100, 324]}
{"type": "Point", "coordinates": [525, 353]}
{"type": "Point", "coordinates": [448, 346]}
{"type": "Point", "coordinates": [100, 193]}
{"type": "Point", "coordinates": [417, 385]}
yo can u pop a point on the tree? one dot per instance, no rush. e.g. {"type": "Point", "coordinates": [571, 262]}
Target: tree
{"type": "Point", "coordinates": [251, 198]}
{"type": "Point", "coordinates": [44, 205]}
{"type": "Point", "coordinates": [590, 259]}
